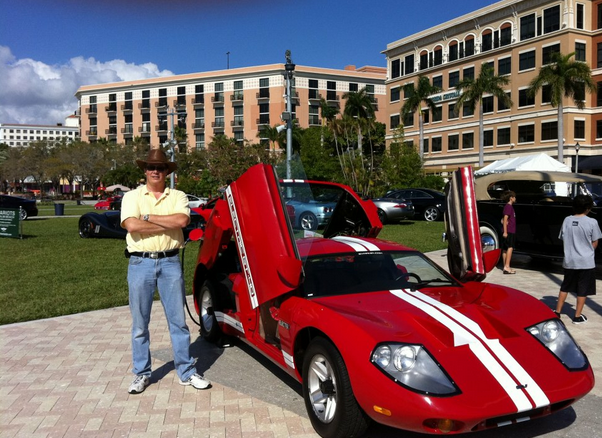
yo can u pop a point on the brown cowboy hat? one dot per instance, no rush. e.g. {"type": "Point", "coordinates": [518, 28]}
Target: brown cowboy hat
{"type": "Point", "coordinates": [157, 156]}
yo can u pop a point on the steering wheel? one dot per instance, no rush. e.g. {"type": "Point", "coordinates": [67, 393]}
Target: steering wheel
{"type": "Point", "coordinates": [408, 274]}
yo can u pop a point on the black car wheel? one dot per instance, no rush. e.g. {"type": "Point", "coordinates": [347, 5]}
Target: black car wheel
{"type": "Point", "coordinates": [23, 214]}
{"type": "Point", "coordinates": [308, 221]}
{"type": "Point", "coordinates": [431, 214]}
{"type": "Point", "coordinates": [382, 216]}
{"type": "Point", "coordinates": [209, 304]}
{"type": "Point", "coordinates": [327, 392]}
{"type": "Point", "coordinates": [86, 228]}
{"type": "Point", "coordinates": [489, 238]}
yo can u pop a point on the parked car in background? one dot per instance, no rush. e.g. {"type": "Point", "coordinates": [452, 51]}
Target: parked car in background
{"type": "Point", "coordinates": [28, 206]}
{"type": "Point", "coordinates": [373, 330]}
{"type": "Point", "coordinates": [93, 224]}
{"type": "Point", "coordinates": [393, 209]}
{"type": "Point", "coordinates": [195, 201]}
{"type": "Point", "coordinates": [428, 204]}
{"type": "Point", "coordinates": [543, 200]}
{"type": "Point", "coordinates": [310, 211]}
{"type": "Point", "coordinates": [109, 204]}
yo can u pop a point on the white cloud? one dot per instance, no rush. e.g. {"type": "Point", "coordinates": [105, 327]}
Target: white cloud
{"type": "Point", "coordinates": [32, 92]}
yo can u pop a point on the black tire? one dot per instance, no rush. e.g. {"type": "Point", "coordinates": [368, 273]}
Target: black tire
{"type": "Point", "coordinates": [382, 216]}
{"type": "Point", "coordinates": [23, 214]}
{"type": "Point", "coordinates": [208, 304]}
{"type": "Point", "coordinates": [431, 214]}
{"type": "Point", "coordinates": [489, 238]}
{"type": "Point", "coordinates": [308, 221]}
{"type": "Point", "coordinates": [329, 399]}
{"type": "Point", "coordinates": [86, 228]}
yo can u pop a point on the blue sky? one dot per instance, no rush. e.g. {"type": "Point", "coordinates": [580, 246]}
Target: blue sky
{"type": "Point", "coordinates": [48, 48]}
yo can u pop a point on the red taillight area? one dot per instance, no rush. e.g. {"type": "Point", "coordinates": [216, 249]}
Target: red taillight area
{"type": "Point", "coordinates": [401, 206]}
{"type": "Point", "coordinates": [442, 425]}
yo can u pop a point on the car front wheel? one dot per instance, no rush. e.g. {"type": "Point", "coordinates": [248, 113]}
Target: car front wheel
{"type": "Point", "coordinates": [489, 238]}
{"type": "Point", "coordinates": [329, 399]}
{"type": "Point", "coordinates": [382, 216]}
{"type": "Point", "coordinates": [431, 214]}
{"type": "Point", "coordinates": [86, 228]}
{"type": "Point", "coordinates": [209, 327]}
{"type": "Point", "coordinates": [308, 221]}
{"type": "Point", "coordinates": [23, 214]}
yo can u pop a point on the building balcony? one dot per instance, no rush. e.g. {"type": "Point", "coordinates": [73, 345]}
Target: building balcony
{"type": "Point", "coordinates": [263, 94]}
{"type": "Point", "coordinates": [127, 107]}
{"type": "Point", "coordinates": [144, 130]}
{"type": "Point", "coordinates": [92, 132]}
{"type": "Point", "coordinates": [144, 107]}
{"type": "Point", "coordinates": [218, 125]}
{"type": "Point", "coordinates": [161, 128]}
{"type": "Point", "coordinates": [237, 124]}
{"type": "Point", "coordinates": [161, 103]}
{"type": "Point", "coordinates": [218, 99]}
{"type": "Point", "coordinates": [179, 103]}
{"type": "Point", "coordinates": [111, 108]}
{"type": "Point", "coordinates": [238, 96]}
{"type": "Point", "coordinates": [314, 95]}
{"type": "Point", "coordinates": [91, 110]}
{"type": "Point", "coordinates": [263, 121]}
{"type": "Point", "coordinates": [198, 100]}
{"type": "Point", "coordinates": [198, 125]}
{"type": "Point", "coordinates": [128, 130]}
{"type": "Point", "coordinates": [315, 121]}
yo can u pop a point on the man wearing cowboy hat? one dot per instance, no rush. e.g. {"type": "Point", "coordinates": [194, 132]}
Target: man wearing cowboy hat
{"type": "Point", "coordinates": [154, 216]}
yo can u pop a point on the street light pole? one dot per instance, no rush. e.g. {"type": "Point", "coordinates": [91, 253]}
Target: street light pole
{"type": "Point", "coordinates": [577, 157]}
{"type": "Point", "coordinates": [289, 68]}
{"type": "Point", "coordinates": [171, 143]}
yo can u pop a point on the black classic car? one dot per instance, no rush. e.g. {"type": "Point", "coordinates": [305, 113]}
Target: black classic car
{"type": "Point", "coordinates": [543, 200]}
{"type": "Point", "coordinates": [28, 206]}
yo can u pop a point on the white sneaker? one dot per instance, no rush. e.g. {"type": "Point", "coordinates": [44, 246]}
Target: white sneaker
{"type": "Point", "coordinates": [196, 381]}
{"type": "Point", "coordinates": [139, 384]}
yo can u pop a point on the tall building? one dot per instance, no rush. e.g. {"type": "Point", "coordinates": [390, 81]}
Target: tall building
{"type": "Point", "coordinates": [516, 37]}
{"type": "Point", "coordinates": [237, 103]}
{"type": "Point", "coordinates": [14, 134]}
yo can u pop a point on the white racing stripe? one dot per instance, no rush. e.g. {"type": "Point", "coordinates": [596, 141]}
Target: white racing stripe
{"type": "Point", "coordinates": [228, 320]}
{"type": "Point", "coordinates": [478, 343]}
{"type": "Point", "coordinates": [358, 245]}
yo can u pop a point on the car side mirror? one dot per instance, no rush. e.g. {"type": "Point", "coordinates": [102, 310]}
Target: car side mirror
{"type": "Point", "coordinates": [491, 258]}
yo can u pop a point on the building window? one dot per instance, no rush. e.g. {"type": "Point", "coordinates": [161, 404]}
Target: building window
{"type": "Point", "coordinates": [487, 43]}
{"type": "Point", "coordinates": [503, 136]}
{"type": "Point", "coordinates": [525, 99]}
{"type": "Point", "coordinates": [488, 138]}
{"type": "Point", "coordinates": [451, 111]}
{"type": "Point", "coordinates": [580, 16]}
{"type": "Point", "coordinates": [353, 87]}
{"type": "Point", "coordinates": [331, 90]}
{"type": "Point", "coordinates": [454, 78]}
{"type": "Point", "coordinates": [599, 96]}
{"type": "Point", "coordinates": [200, 141]}
{"type": "Point", "coordinates": [453, 51]}
{"type": "Point", "coordinates": [409, 63]}
{"type": "Point", "coordinates": [549, 131]}
{"type": "Point", "coordinates": [438, 56]}
{"type": "Point", "coordinates": [580, 129]}
{"type": "Point", "coordinates": [408, 120]}
{"type": "Point", "coordinates": [264, 88]}
{"type": "Point", "coordinates": [551, 19]}
{"type": "Point", "coordinates": [436, 144]}
{"type": "Point", "coordinates": [426, 116]}
{"type": "Point", "coordinates": [487, 104]}
{"type": "Point", "coordinates": [199, 118]}
{"type": "Point", "coordinates": [313, 89]}
{"type": "Point", "coordinates": [526, 133]}
{"type": "Point", "coordinates": [468, 73]}
{"type": "Point", "coordinates": [506, 35]}
{"type": "Point", "coordinates": [424, 60]}
{"type": "Point", "coordinates": [526, 60]}
{"type": "Point", "coordinates": [504, 66]}
{"type": "Point", "coordinates": [468, 140]}
{"type": "Point", "coordinates": [438, 114]}
{"type": "Point", "coordinates": [599, 18]}
{"type": "Point", "coordinates": [145, 99]}
{"type": "Point", "coordinates": [264, 113]}
{"type": "Point", "coordinates": [425, 144]}
{"type": "Point", "coordinates": [467, 111]}
{"type": "Point", "coordinates": [547, 52]}
{"type": "Point", "coordinates": [546, 94]}
{"type": "Point", "coordinates": [598, 129]}
{"type": "Point", "coordinates": [219, 117]}
{"type": "Point", "coordinates": [580, 52]}
{"type": "Point", "coordinates": [394, 121]}
{"type": "Point", "coordinates": [469, 47]}
{"type": "Point", "coordinates": [395, 94]}
{"type": "Point", "coordinates": [438, 81]}
{"type": "Point", "coordinates": [218, 95]}
{"type": "Point", "coordinates": [527, 27]}
{"type": "Point", "coordinates": [314, 115]}
{"type": "Point", "coordinates": [162, 96]}
{"type": "Point", "coordinates": [452, 142]}
{"type": "Point", "coordinates": [181, 99]}
{"type": "Point", "coordinates": [239, 116]}
{"type": "Point", "coordinates": [395, 68]}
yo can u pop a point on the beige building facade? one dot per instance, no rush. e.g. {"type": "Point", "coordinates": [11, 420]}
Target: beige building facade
{"type": "Point", "coordinates": [516, 37]}
{"type": "Point", "coordinates": [236, 103]}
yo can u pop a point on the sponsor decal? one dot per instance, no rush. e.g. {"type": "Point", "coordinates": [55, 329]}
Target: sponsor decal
{"type": "Point", "coordinates": [228, 320]}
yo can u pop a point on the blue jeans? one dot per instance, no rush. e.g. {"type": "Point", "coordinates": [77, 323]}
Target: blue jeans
{"type": "Point", "coordinates": [144, 276]}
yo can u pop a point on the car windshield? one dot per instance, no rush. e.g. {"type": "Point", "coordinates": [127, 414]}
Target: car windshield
{"type": "Point", "coordinates": [350, 273]}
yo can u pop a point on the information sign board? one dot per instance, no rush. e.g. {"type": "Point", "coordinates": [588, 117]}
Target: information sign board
{"type": "Point", "coordinates": [9, 222]}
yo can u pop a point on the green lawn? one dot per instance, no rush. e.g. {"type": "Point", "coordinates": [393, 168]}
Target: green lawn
{"type": "Point", "coordinates": [52, 271]}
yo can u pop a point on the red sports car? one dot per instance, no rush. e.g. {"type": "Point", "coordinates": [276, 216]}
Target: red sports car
{"type": "Point", "coordinates": [372, 329]}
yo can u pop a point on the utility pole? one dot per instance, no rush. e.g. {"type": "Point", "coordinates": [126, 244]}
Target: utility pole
{"type": "Point", "coordinates": [289, 68]}
{"type": "Point", "coordinates": [171, 143]}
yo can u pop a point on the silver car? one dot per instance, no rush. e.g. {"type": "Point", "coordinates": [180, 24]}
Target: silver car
{"type": "Point", "coordinates": [393, 210]}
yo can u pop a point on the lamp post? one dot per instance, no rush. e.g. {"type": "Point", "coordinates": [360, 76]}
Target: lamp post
{"type": "Point", "coordinates": [577, 157]}
{"type": "Point", "coordinates": [289, 69]}
{"type": "Point", "coordinates": [228, 60]}
{"type": "Point", "coordinates": [171, 143]}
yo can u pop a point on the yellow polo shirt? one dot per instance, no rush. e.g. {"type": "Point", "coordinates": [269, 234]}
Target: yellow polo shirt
{"type": "Point", "coordinates": [137, 203]}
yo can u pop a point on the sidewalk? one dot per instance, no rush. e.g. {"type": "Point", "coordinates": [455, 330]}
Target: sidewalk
{"type": "Point", "coordinates": [68, 377]}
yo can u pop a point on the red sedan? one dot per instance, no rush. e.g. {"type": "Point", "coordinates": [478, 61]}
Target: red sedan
{"type": "Point", "coordinates": [373, 330]}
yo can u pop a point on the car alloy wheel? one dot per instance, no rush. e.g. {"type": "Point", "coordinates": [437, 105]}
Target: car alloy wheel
{"type": "Point", "coordinates": [431, 214]}
{"type": "Point", "coordinates": [329, 399]}
{"type": "Point", "coordinates": [209, 327]}
{"type": "Point", "coordinates": [489, 238]}
{"type": "Point", "coordinates": [86, 228]}
{"type": "Point", "coordinates": [308, 221]}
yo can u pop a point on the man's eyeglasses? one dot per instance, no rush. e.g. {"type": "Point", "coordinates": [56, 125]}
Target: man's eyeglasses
{"type": "Point", "coordinates": [159, 168]}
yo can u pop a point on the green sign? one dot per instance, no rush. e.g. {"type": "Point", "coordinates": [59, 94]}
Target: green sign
{"type": "Point", "coordinates": [9, 223]}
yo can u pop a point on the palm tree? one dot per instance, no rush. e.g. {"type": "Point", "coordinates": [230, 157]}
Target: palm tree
{"type": "Point", "coordinates": [329, 113]}
{"type": "Point", "coordinates": [359, 105]}
{"type": "Point", "coordinates": [567, 79]}
{"type": "Point", "coordinates": [273, 135]}
{"type": "Point", "coordinates": [473, 90]}
{"type": "Point", "coordinates": [416, 95]}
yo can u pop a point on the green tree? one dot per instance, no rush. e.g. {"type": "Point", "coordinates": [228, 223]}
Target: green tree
{"type": "Point", "coordinates": [318, 157]}
{"type": "Point", "coordinates": [273, 136]}
{"type": "Point", "coordinates": [359, 105]}
{"type": "Point", "coordinates": [568, 79]}
{"type": "Point", "coordinates": [472, 93]}
{"type": "Point", "coordinates": [329, 113]}
{"type": "Point", "coordinates": [416, 94]}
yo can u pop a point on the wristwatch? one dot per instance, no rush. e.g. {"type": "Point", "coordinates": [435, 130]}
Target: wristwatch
{"type": "Point", "coordinates": [145, 217]}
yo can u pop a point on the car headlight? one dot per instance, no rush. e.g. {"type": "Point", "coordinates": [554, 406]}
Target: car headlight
{"type": "Point", "coordinates": [556, 338]}
{"type": "Point", "coordinates": [414, 368]}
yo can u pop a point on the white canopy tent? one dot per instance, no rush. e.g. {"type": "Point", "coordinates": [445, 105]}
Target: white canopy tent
{"type": "Point", "coordinates": [540, 162]}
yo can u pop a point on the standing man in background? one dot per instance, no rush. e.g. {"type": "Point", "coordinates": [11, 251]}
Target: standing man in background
{"type": "Point", "coordinates": [154, 216]}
